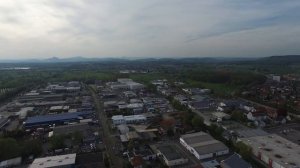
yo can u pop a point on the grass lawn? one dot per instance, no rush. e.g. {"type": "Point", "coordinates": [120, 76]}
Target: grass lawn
{"type": "Point", "coordinates": [218, 88]}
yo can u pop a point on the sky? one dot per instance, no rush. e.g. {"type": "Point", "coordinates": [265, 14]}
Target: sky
{"type": "Point", "coordinates": [148, 28]}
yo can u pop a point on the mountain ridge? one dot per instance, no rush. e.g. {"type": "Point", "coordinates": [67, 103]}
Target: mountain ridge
{"type": "Point", "coordinates": [287, 59]}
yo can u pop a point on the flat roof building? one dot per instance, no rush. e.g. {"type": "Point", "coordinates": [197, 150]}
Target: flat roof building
{"type": "Point", "coordinates": [59, 108]}
{"type": "Point", "coordinates": [61, 161]}
{"type": "Point", "coordinates": [203, 146]}
{"type": "Point", "coordinates": [55, 119]}
{"type": "Point", "coordinates": [132, 119]}
{"type": "Point", "coordinates": [171, 155]}
{"type": "Point", "coordinates": [235, 161]}
{"type": "Point", "coordinates": [274, 150]}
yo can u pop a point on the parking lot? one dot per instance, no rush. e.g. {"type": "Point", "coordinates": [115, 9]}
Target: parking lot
{"type": "Point", "coordinates": [289, 131]}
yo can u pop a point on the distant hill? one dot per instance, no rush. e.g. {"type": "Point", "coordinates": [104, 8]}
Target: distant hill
{"type": "Point", "coordinates": [278, 60]}
{"type": "Point", "coordinates": [272, 60]}
{"type": "Point", "coordinates": [64, 60]}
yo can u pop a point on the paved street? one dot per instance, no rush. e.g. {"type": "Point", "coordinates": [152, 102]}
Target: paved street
{"type": "Point", "coordinates": [108, 140]}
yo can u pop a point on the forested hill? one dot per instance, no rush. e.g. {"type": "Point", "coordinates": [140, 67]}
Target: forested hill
{"type": "Point", "coordinates": [289, 59]}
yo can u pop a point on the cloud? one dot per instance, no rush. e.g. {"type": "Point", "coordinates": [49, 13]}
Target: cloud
{"type": "Point", "coordinates": [141, 28]}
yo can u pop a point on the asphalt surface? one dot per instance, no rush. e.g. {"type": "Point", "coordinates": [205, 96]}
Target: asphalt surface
{"type": "Point", "coordinates": [108, 139]}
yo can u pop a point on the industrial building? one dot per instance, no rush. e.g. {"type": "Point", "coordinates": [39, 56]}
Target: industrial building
{"type": "Point", "coordinates": [235, 161]}
{"type": "Point", "coordinates": [37, 97]}
{"type": "Point", "coordinates": [203, 146]}
{"type": "Point", "coordinates": [58, 119]}
{"type": "Point", "coordinates": [171, 155]}
{"type": "Point", "coordinates": [59, 109]}
{"type": "Point", "coordinates": [132, 119]}
{"type": "Point", "coordinates": [125, 83]}
{"type": "Point", "coordinates": [274, 150]}
{"type": "Point", "coordinates": [62, 161]}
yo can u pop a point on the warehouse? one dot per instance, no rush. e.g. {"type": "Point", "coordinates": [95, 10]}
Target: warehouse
{"type": "Point", "coordinates": [64, 161]}
{"type": "Point", "coordinates": [58, 119]}
{"type": "Point", "coordinates": [132, 119]}
{"type": "Point", "coordinates": [203, 146]}
{"type": "Point", "coordinates": [37, 97]}
{"type": "Point", "coordinates": [274, 150]}
{"type": "Point", "coordinates": [171, 155]}
{"type": "Point", "coordinates": [58, 109]}
{"type": "Point", "coordinates": [125, 83]}
{"type": "Point", "coordinates": [235, 161]}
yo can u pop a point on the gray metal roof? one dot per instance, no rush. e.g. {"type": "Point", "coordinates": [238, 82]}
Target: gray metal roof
{"type": "Point", "coordinates": [170, 152]}
{"type": "Point", "coordinates": [203, 143]}
{"type": "Point", "coordinates": [235, 161]}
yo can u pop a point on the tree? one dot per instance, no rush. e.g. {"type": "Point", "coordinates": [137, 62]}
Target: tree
{"type": "Point", "coordinates": [238, 116]}
{"type": "Point", "coordinates": [244, 150]}
{"type": "Point", "coordinates": [57, 142]}
{"type": "Point", "coordinates": [131, 144]}
{"type": "Point", "coordinates": [77, 137]}
{"type": "Point", "coordinates": [216, 131]}
{"type": "Point", "coordinates": [197, 122]}
{"type": "Point", "coordinates": [15, 134]}
{"type": "Point", "coordinates": [170, 132]}
{"type": "Point", "coordinates": [187, 118]}
{"type": "Point", "coordinates": [106, 160]}
{"type": "Point", "coordinates": [127, 164]}
{"type": "Point", "coordinates": [9, 148]}
{"type": "Point", "coordinates": [32, 147]}
{"type": "Point", "coordinates": [177, 105]}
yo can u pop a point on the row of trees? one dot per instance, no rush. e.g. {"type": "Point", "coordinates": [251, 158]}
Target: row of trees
{"type": "Point", "coordinates": [10, 148]}
{"type": "Point", "coordinates": [223, 76]}
{"type": "Point", "coordinates": [197, 123]}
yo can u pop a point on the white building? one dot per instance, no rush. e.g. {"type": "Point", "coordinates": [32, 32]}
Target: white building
{"type": "Point", "coordinates": [131, 84]}
{"type": "Point", "coordinates": [276, 78]}
{"type": "Point", "coordinates": [203, 146]}
{"type": "Point", "coordinates": [118, 120]}
{"type": "Point", "coordinates": [274, 150]}
{"type": "Point", "coordinates": [63, 161]}
{"type": "Point", "coordinates": [135, 119]}
{"type": "Point", "coordinates": [132, 119]}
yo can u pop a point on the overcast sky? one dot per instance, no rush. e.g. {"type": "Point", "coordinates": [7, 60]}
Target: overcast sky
{"type": "Point", "coordinates": [148, 28]}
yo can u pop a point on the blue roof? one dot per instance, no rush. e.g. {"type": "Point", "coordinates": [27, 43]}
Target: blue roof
{"type": "Point", "coordinates": [235, 161]}
{"type": "Point", "coordinates": [54, 117]}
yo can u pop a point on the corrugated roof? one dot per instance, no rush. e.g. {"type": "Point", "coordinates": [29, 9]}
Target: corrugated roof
{"type": "Point", "coordinates": [203, 143]}
{"type": "Point", "coordinates": [55, 117]}
{"type": "Point", "coordinates": [170, 152]}
{"type": "Point", "coordinates": [54, 161]}
{"type": "Point", "coordinates": [235, 161]}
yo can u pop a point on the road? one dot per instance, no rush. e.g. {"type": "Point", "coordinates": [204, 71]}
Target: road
{"type": "Point", "coordinates": [108, 138]}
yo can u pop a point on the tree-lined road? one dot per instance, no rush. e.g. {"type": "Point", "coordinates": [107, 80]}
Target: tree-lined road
{"type": "Point", "coordinates": [108, 139]}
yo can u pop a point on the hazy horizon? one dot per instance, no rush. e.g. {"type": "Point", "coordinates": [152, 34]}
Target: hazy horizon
{"type": "Point", "coordinates": [41, 29]}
